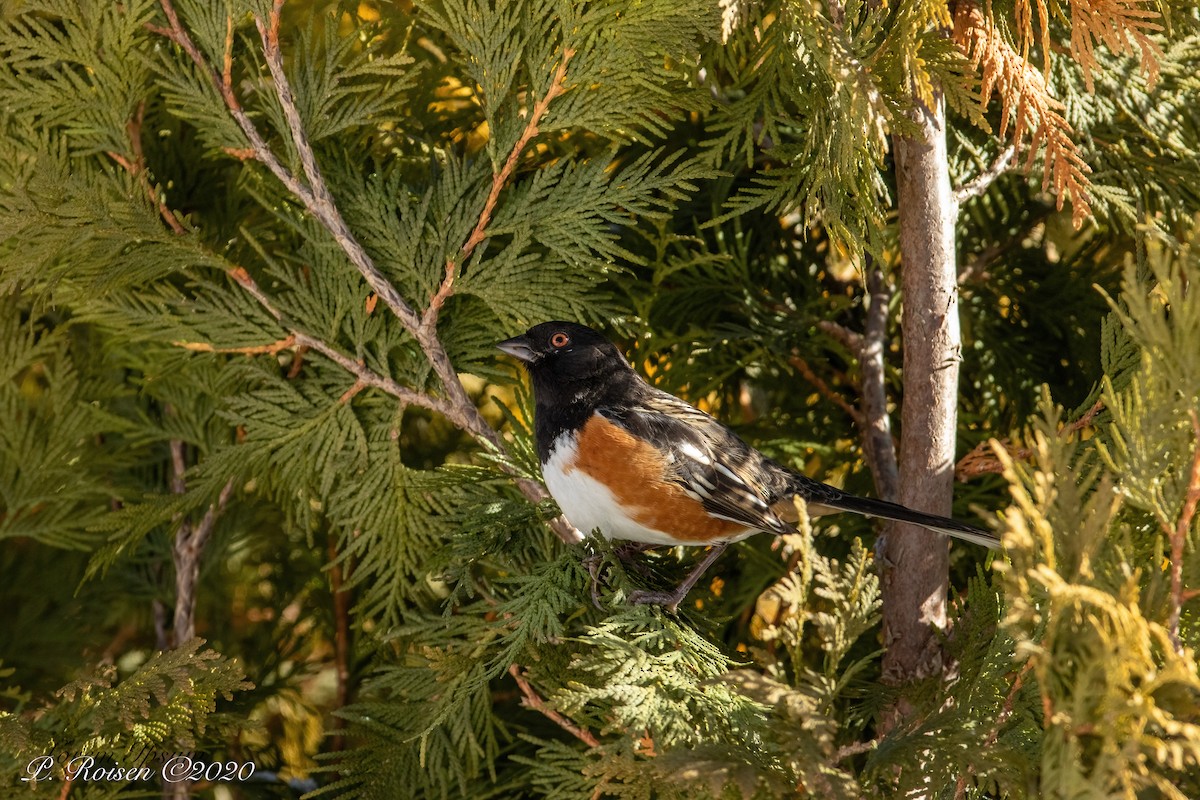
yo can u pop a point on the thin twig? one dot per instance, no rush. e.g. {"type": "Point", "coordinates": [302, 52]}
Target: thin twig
{"type": "Point", "coordinates": [980, 184]}
{"type": "Point", "coordinates": [189, 545]}
{"type": "Point", "coordinates": [806, 371]}
{"type": "Point", "coordinates": [252, 350]}
{"type": "Point", "coordinates": [531, 699]}
{"type": "Point", "coordinates": [1086, 420]}
{"type": "Point", "coordinates": [1010, 699]}
{"type": "Point", "coordinates": [136, 167]}
{"type": "Point", "coordinates": [227, 65]}
{"type": "Point", "coordinates": [982, 460]}
{"type": "Point", "coordinates": [368, 377]}
{"type": "Point", "coordinates": [1178, 538]}
{"type": "Point", "coordinates": [500, 179]}
{"type": "Point", "coordinates": [857, 748]}
{"type": "Point", "coordinates": [351, 393]}
{"type": "Point", "coordinates": [851, 340]}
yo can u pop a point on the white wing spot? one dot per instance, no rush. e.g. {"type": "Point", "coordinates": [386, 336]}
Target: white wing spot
{"type": "Point", "coordinates": [727, 472]}
{"type": "Point", "coordinates": [691, 451]}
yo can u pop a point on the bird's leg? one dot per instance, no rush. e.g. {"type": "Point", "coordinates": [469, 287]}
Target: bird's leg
{"type": "Point", "coordinates": [671, 600]}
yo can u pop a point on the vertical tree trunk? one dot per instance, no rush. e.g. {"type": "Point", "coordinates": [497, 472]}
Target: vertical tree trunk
{"type": "Point", "coordinates": [916, 561]}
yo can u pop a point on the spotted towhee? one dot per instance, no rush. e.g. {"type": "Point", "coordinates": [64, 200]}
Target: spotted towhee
{"type": "Point", "coordinates": [640, 464]}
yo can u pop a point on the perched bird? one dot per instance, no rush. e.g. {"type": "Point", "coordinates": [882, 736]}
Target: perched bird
{"type": "Point", "coordinates": [639, 464]}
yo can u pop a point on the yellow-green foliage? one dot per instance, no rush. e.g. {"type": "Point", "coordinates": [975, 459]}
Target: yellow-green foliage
{"type": "Point", "coordinates": [1086, 581]}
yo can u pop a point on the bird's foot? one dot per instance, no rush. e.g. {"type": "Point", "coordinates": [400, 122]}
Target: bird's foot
{"type": "Point", "coordinates": [671, 600]}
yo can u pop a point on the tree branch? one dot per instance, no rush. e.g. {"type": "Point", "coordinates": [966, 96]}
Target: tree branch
{"type": "Point", "coordinates": [983, 180]}
{"type": "Point", "coordinates": [317, 198]}
{"type": "Point", "coordinates": [316, 195]}
{"type": "Point", "coordinates": [363, 374]}
{"type": "Point", "coordinates": [876, 424]}
{"type": "Point", "coordinates": [916, 561]}
{"type": "Point", "coordinates": [531, 699]}
{"type": "Point", "coordinates": [258, 147]}
{"type": "Point", "coordinates": [189, 544]}
{"type": "Point", "coordinates": [851, 340]}
{"type": "Point", "coordinates": [854, 749]}
{"type": "Point", "coordinates": [136, 167]}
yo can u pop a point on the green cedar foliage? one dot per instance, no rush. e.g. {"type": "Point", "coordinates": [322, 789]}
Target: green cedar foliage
{"type": "Point", "coordinates": [705, 186]}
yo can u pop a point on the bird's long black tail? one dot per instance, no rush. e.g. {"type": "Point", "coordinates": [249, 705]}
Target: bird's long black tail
{"type": "Point", "coordinates": [838, 500]}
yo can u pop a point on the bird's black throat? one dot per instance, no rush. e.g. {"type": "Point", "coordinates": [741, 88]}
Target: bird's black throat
{"type": "Point", "coordinates": [564, 402]}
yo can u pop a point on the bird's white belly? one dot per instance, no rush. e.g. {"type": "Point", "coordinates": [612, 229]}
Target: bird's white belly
{"type": "Point", "coordinates": [589, 504]}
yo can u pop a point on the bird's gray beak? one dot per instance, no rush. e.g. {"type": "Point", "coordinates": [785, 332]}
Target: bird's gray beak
{"type": "Point", "coordinates": [518, 347]}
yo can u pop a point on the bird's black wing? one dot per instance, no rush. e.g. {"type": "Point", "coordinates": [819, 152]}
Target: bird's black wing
{"type": "Point", "coordinates": [734, 481]}
{"type": "Point", "coordinates": [704, 457]}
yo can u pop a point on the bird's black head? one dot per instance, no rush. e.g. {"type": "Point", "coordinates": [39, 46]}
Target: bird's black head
{"type": "Point", "coordinates": [574, 370]}
{"type": "Point", "coordinates": [564, 354]}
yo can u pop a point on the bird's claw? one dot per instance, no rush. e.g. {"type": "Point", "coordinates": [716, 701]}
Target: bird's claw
{"type": "Point", "coordinates": [592, 562]}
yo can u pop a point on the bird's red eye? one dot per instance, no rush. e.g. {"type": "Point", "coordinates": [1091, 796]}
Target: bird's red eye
{"type": "Point", "coordinates": [559, 340]}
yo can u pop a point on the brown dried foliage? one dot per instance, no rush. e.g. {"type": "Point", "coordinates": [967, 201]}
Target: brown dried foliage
{"type": "Point", "coordinates": [1123, 26]}
{"type": "Point", "coordinates": [1026, 105]}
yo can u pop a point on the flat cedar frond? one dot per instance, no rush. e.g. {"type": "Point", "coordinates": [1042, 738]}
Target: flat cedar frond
{"type": "Point", "coordinates": [1023, 22]}
{"type": "Point", "coordinates": [1025, 100]}
{"type": "Point", "coordinates": [1123, 25]}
